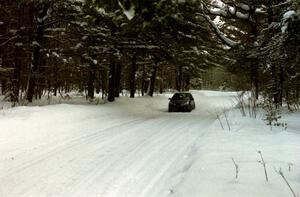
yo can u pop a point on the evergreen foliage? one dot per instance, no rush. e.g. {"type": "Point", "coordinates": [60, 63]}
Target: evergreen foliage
{"type": "Point", "coordinates": [147, 45]}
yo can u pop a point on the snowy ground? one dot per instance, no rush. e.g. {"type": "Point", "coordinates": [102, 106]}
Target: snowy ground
{"type": "Point", "coordinates": [133, 147]}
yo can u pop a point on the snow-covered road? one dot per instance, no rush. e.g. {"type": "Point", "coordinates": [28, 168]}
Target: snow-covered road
{"type": "Point", "coordinates": [132, 147]}
{"type": "Point", "coordinates": [135, 158]}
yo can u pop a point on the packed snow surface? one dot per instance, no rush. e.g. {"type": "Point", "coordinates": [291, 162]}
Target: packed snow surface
{"type": "Point", "coordinates": [135, 148]}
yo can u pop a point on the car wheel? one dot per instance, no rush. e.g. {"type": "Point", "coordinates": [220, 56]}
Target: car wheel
{"type": "Point", "coordinates": [189, 108]}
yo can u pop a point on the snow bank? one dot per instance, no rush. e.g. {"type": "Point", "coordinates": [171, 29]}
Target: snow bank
{"type": "Point", "coordinates": [213, 173]}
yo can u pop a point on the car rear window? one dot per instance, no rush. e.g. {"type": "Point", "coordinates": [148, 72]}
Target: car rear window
{"type": "Point", "coordinates": [179, 96]}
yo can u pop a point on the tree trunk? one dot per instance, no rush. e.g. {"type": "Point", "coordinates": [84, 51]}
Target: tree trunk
{"type": "Point", "coordinates": [143, 81]}
{"type": "Point", "coordinates": [254, 62]}
{"type": "Point", "coordinates": [91, 80]}
{"type": "Point", "coordinates": [97, 81]}
{"type": "Point", "coordinates": [275, 85]}
{"type": "Point", "coordinates": [132, 76]}
{"type": "Point", "coordinates": [55, 91]}
{"type": "Point", "coordinates": [254, 80]}
{"type": "Point", "coordinates": [16, 77]}
{"type": "Point", "coordinates": [161, 84]}
{"type": "Point", "coordinates": [118, 79]}
{"type": "Point", "coordinates": [111, 80]}
{"type": "Point", "coordinates": [112, 69]}
{"type": "Point", "coordinates": [41, 79]}
{"type": "Point", "coordinates": [103, 80]}
{"type": "Point", "coordinates": [36, 57]}
{"type": "Point", "coordinates": [277, 93]}
{"type": "Point", "coordinates": [179, 77]}
{"type": "Point", "coordinates": [270, 11]}
{"type": "Point", "coordinates": [187, 83]}
{"type": "Point", "coordinates": [152, 80]}
{"type": "Point", "coordinates": [17, 66]}
{"type": "Point", "coordinates": [287, 95]}
{"type": "Point", "coordinates": [3, 86]}
{"type": "Point", "coordinates": [281, 84]}
{"type": "Point", "coordinates": [297, 88]}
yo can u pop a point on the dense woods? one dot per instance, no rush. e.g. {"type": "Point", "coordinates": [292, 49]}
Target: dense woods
{"type": "Point", "coordinates": [96, 46]}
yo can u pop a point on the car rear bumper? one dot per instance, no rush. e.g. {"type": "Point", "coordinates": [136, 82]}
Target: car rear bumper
{"type": "Point", "coordinates": [181, 108]}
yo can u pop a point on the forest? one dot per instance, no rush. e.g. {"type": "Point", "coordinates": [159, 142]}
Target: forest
{"type": "Point", "coordinates": [52, 47]}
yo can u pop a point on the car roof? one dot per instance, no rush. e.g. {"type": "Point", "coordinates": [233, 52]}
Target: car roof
{"type": "Point", "coordinates": [182, 93]}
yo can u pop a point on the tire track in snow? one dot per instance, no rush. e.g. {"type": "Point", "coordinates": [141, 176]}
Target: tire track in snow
{"type": "Point", "coordinates": [88, 175]}
{"type": "Point", "coordinates": [43, 157]}
{"type": "Point", "coordinates": [112, 165]}
{"type": "Point", "coordinates": [173, 160]}
{"type": "Point", "coordinates": [131, 166]}
{"type": "Point", "coordinates": [65, 145]}
{"type": "Point", "coordinates": [110, 157]}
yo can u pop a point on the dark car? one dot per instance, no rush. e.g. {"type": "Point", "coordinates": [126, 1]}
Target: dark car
{"type": "Point", "coordinates": [181, 101]}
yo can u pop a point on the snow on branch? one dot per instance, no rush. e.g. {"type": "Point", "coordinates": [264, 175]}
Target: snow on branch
{"type": "Point", "coordinates": [129, 12]}
{"type": "Point", "coordinates": [285, 3]}
{"type": "Point", "coordinates": [231, 10]}
{"type": "Point", "coordinates": [224, 39]}
{"type": "Point", "coordinates": [190, 24]}
{"type": "Point", "coordinates": [55, 29]}
{"type": "Point", "coordinates": [149, 47]}
{"type": "Point", "coordinates": [243, 6]}
{"type": "Point", "coordinates": [218, 11]}
{"type": "Point", "coordinates": [8, 40]}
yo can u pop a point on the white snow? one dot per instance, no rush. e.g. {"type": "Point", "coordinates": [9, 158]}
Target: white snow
{"type": "Point", "coordinates": [55, 29]}
{"type": "Point", "coordinates": [260, 11]}
{"type": "Point", "coordinates": [18, 44]}
{"type": "Point", "coordinates": [218, 11]}
{"type": "Point", "coordinates": [226, 40]}
{"type": "Point", "coordinates": [102, 11]}
{"type": "Point", "coordinates": [241, 15]}
{"type": "Point", "coordinates": [41, 20]}
{"type": "Point", "coordinates": [78, 45]}
{"type": "Point", "coordinates": [129, 13]}
{"type": "Point", "coordinates": [286, 16]}
{"type": "Point", "coordinates": [55, 54]}
{"type": "Point", "coordinates": [232, 10]}
{"type": "Point", "coordinates": [224, 10]}
{"type": "Point", "coordinates": [243, 6]}
{"type": "Point", "coordinates": [134, 147]}
{"type": "Point", "coordinates": [35, 43]}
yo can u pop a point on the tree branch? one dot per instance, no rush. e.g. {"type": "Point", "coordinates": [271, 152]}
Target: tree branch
{"type": "Point", "coordinates": [224, 39]}
{"type": "Point", "coordinates": [8, 40]}
{"type": "Point", "coordinates": [238, 10]}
